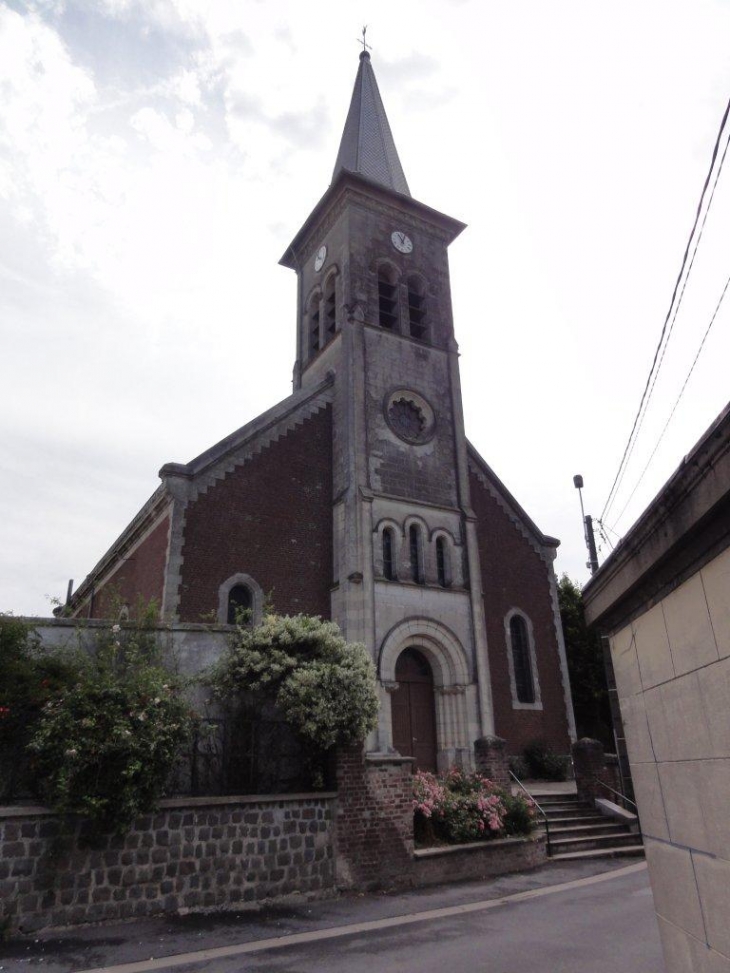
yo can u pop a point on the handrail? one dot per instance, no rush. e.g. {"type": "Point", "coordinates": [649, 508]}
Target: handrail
{"type": "Point", "coordinates": [545, 817]}
{"type": "Point", "coordinates": [617, 793]}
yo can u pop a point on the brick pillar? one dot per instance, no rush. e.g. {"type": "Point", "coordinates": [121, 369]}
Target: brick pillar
{"type": "Point", "coordinates": [491, 759]}
{"type": "Point", "coordinates": [374, 819]}
{"type": "Point", "coordinates": [591, 768]}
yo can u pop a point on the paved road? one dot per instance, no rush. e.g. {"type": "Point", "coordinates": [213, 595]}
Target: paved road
{"type": "Point", "coordinates": [551, 921]}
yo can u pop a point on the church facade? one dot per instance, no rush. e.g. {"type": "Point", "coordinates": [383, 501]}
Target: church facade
{"type": "Point", "coordinates": [358, 498]}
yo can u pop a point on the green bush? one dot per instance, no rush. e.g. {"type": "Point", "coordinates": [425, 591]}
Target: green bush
{"type": "Point", "coordinates": [29, 678]}
{"type": "Point", "coordinates": [544, 764]}
{"type": "Point", "coordinates": [323, 686]}
{"type": "Point", "coordinates": [99, 731]}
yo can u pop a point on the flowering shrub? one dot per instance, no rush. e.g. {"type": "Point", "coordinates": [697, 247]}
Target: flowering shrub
{"type": "Point", "coordinates": [322, 685]}
{"type": "Point", "coordinates": [461, 807]}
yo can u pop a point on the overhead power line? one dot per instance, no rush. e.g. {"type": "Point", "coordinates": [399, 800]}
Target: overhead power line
{"type": "Point", "coordinates": [681, 393]}
{"type": "Point", "coordinates": [672, 310]}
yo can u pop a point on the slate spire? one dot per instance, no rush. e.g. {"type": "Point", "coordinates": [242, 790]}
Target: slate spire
{"type": "Point", "coordinates": [367, 145]}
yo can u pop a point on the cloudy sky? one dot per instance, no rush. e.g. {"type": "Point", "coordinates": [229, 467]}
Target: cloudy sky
{"type": "Point", "coordinates": [157, 156]}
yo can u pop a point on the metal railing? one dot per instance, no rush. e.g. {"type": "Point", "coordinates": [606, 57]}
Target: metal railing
{"type": "Point", "coordinates": [623, 797]}
{"type": "Point", "coordinates": [544, 815]}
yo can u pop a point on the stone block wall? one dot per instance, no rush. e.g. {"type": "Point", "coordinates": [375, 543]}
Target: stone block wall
{"type": "Point", "coordinates": [672, 666]}
{"type": "Point", "coordinates": [374, 819]}
{"type": "Point", "coordinates": [198, 854]}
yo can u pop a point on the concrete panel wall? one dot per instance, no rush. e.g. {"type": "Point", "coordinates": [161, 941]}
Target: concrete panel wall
{"type": "Point", "coordinates": [672, 667]}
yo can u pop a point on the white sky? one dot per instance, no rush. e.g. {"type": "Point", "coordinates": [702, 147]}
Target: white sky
{"type": "Point", "coordinates": [157, 156]}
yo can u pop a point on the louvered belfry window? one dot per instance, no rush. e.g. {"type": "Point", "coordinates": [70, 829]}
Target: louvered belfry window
{"type": "Point", "coordinates": [416, 309]}
{"type": "Point", "coordinates": [314, 341]}
{"type": "Point", "coordinates": [387, 300]}
{"type": "Point", "coordinates": [330, 309]}
{"type": "Point", "coordinates": [524, 683]}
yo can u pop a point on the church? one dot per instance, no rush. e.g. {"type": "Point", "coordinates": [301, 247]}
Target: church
{"type": "Point", "coordinates": [359, 498]}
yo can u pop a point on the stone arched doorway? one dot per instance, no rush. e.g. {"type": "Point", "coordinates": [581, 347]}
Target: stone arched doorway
{"type": "Point", "coordinates": [413, 709]}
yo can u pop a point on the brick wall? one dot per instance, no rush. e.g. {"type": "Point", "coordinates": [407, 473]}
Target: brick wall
{"type": "Point", "coordinates": [140, 575]}
{"type": "Point", "coordinates": [271, 519]}
{"type": "Point", "coordinates": [478, 861]}
{"type": "Point", "coordinates": [515, 576]}
{"type": "Point", "coordinates": [374, 819]}
{"type": "Point", "coordinates": [197, 855]}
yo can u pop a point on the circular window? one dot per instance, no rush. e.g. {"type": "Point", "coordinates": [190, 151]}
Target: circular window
{"type": "Point", "coordinates": [410, 416]}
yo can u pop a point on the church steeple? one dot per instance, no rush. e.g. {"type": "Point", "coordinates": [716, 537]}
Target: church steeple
{"type": "Point", "coordinates": [367, 145]}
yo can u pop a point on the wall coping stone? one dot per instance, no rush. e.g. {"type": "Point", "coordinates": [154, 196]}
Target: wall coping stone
{"type": "Point", "coordinates": [35, 810]}
{"type": "Point", "coordinates": [471, 846]}
{"type": "Point", "coordinates": [388, 758]}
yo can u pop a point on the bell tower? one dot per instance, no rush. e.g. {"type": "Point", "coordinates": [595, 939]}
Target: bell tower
{"type": "Point", "coordinates": [374, 315]}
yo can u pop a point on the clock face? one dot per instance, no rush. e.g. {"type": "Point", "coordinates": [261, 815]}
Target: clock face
{"type": "Point", "coordinates": [401, 242]}
{"type": "Point", "coordinates": [320, 258]}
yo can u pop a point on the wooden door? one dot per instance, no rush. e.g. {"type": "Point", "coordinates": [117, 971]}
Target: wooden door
{"type": "Point", "coordinates": [414, 711]}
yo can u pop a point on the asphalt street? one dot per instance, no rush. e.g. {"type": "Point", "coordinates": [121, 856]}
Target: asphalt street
{"type": "Point", "coordinates": [580, 917]}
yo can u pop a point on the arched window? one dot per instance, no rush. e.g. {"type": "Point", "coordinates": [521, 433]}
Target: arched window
{"type": "Point", "coordinates": [387, 299]}
{"type": "Point", "coordinates": [389, 555]}
{"type": "Point", "coordinates": [330, 309]}
{"type": "Point", "coordinates": [313, 324]}
{"type": "Point", "coordinates": [520, 639]}
{"type": "Point", "coordinates": [240, 604]}
{"type": "Point", "coordinates": [416, 309]}
{"type": "Point", "coordinates": [442, 565]}
{"type": "Point", "coordinates": [416, 551]}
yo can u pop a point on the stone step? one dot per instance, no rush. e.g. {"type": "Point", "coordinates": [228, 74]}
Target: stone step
{"type": "Point", "coordinates": [573, 819]}
{"type": "Point", "coordinates": [620, 851]}
{"type": "Point", "coordinates": [591, 842]}
{"type": "Point", "coordinates": [555, 809]}
{"type": "Point", "coordinates": [586, 830]}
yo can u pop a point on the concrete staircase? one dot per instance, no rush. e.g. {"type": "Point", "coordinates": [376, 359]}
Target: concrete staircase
{"type": "Point", "coordinates": [578, 831]}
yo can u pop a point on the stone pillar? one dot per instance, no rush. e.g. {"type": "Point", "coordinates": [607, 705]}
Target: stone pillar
{"type": "Point", "coordinates": [491, 759]}
{"type": "Point", "coordinates": [592, 769]}
{"type": "Point", "coordinates": [374, 819]}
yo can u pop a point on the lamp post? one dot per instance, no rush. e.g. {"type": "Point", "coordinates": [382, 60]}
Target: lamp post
{"type": "Point", "coordinates": [592, 562]}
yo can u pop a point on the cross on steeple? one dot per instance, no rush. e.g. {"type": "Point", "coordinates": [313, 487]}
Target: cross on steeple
{"type": "Point", "coordinates": [365, 46]}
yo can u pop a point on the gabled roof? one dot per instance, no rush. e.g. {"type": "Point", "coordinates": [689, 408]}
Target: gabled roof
{"type": "Point", "coordinates": [367, 145]}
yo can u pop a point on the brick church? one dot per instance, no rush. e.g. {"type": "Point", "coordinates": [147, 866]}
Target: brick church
{"type": "Point", "coordinates": [359, 497]}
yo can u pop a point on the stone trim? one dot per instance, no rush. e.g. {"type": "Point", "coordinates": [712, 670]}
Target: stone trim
{"type": "Point", "coordinates": [257, 597]}
{"type": "Point", "coordinates": [134, 534]}
{"type": "Point", "coordinates": [38, 810]}
{"type": "Point", "coordinates": [540, 543]}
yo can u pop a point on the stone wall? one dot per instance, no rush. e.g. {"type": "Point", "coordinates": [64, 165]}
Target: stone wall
{"type": "Point", "coordinates": [197, 854]}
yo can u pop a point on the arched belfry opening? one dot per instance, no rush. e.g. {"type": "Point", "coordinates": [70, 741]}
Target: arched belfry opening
{"type": "Point", "coordinates": [413, 709]}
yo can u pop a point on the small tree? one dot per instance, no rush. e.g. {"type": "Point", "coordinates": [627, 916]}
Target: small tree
{"type": "Point", "coordinates": [585, 666]}
{"type": "Point", "coordinates": [323, 686]}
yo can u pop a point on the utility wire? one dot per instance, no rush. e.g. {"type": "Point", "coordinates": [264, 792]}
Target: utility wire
{"type": "Point", "coordinates": [649, 382]}
{"type": "Point", "coordinates": [669, 335]}
{"type": "Point", "coordinates": [681, 393]}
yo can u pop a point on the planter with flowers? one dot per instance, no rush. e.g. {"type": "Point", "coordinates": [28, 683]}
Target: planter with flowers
{"type": "Point", "coordinates": [461, 807]}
